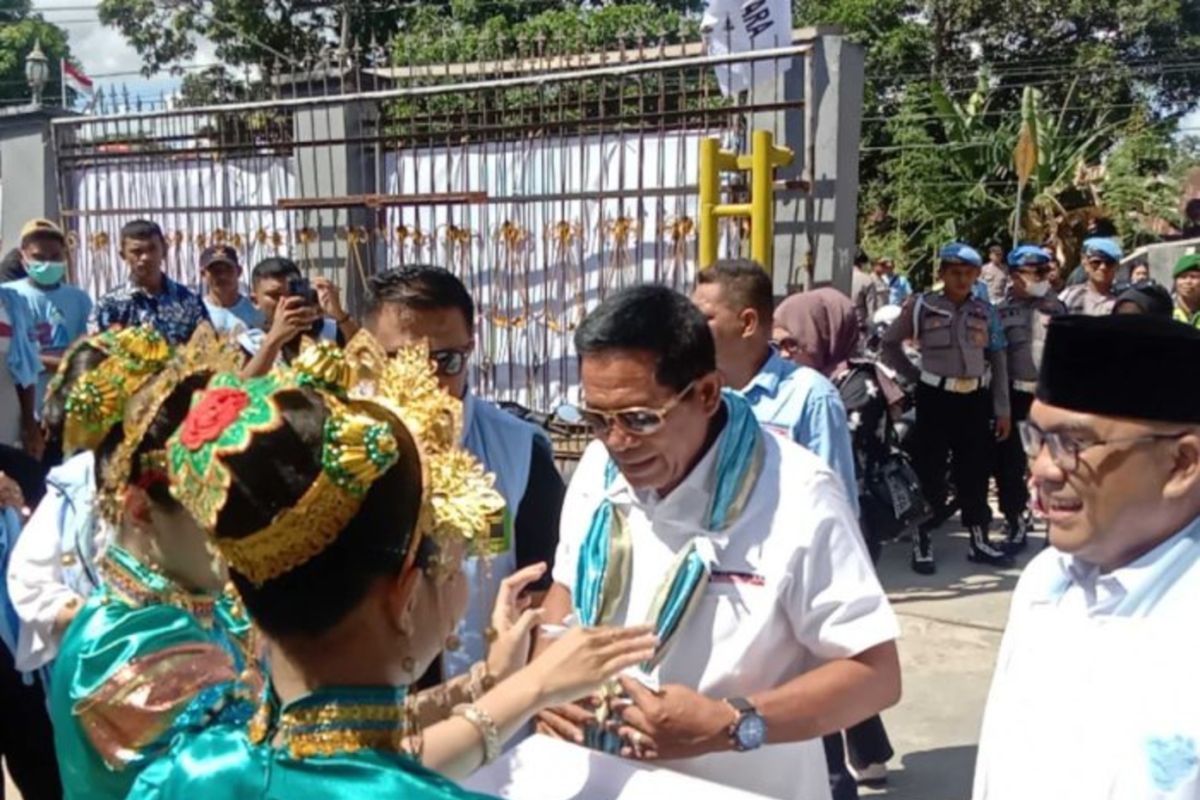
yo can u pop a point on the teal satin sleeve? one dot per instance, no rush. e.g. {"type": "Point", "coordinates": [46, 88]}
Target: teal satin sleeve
{"type": "Point", "coordinates": [221, 762]}
{"type": "Point", "coordinates": [126, 681]}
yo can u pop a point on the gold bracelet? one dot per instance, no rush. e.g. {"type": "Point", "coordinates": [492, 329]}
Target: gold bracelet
{"type": "Point", "coordinates": [486, 726]}
{"type": "Point", "coordinates": [480, 682]}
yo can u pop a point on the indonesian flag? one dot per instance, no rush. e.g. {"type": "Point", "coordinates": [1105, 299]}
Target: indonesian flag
{"type": "Point", "coordinates": [75, 80]}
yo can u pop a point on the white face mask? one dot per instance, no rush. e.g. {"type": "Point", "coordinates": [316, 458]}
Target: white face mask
{"type": "Point", "coordinates": [1039, 289]}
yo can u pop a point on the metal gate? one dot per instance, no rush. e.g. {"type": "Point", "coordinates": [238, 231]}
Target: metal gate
{"type": "Point", "coordinates": [543, 180]}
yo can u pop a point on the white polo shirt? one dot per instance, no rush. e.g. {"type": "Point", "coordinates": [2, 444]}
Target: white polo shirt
{"type": "Point", "coordinates": [792, 588]}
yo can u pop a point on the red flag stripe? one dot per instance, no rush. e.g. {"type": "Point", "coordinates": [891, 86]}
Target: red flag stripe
{"type": "Point", "coordinates": [76, 74]}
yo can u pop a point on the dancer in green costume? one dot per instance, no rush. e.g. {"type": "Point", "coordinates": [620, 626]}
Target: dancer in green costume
{"type": "Point", "coordinates": [158, 649]}
{"type": "Point", "coordinates": [345, 521]}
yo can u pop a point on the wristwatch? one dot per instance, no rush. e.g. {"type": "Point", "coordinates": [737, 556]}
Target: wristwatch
{"type": "Point", "coordinates": [749, 730]}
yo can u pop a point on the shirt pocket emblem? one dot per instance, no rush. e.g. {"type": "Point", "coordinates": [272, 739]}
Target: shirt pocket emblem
{"type": "Point", "coordinates": [1171, 761]}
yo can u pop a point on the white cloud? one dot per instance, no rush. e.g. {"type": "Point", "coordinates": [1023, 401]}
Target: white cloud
{"type": "Point", "coordinates": [102, 50]}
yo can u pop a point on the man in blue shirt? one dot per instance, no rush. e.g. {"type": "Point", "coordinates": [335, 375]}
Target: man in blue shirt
{"type": "Point", "coordinates": [150, 296]}
{"type": "Point", "coordinates": [59, 311]}
{"type": "Point", "coordinates": [231, 311]}
{"type": "Point", "coordinates": [798, 402]}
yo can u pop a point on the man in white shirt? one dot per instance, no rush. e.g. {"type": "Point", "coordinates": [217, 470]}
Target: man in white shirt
{"type": "Point", "coordinates": [740, 545]}
{"type": "Point", "coordinates": [1095, 692]}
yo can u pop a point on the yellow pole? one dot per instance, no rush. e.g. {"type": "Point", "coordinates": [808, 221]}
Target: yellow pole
{"type": "Point", "coordinates": [710, 187]}
{"type": "Point", "coordinates": [765, 157]}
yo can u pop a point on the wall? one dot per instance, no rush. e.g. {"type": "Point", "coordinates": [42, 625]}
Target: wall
{"type": "Point", "coordinates": [824, 225]}
{"type": "Point", "coordinates": [27, 171]}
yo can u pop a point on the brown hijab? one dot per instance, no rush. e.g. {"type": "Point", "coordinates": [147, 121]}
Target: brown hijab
{"type": "Point", "coordinates": [823, 324]}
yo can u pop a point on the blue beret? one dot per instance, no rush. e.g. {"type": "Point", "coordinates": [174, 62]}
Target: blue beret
{"type": "Point", "coordinates": [1028, 255]}
{"type": "Point", "coordinates": [960, 253]}
{"type": "Point", "coordinates": [1104, 248]}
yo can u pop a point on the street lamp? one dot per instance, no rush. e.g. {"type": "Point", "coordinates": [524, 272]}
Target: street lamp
{"type": "Point", "coordinates": [37, 72]}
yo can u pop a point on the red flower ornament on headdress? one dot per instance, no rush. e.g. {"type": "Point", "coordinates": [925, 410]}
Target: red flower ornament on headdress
{"type": "Point", "coordinates": [216, 411]}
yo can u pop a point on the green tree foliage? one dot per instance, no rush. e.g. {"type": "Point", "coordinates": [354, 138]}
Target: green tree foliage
{"type": "Point", "coordinates": [166, 33]}
{"type": "Point", "coordinates": [945, 85]}
{"type": "Point", "coordinates": [469, 30]}
{"type": "Point", "coordinates": [20, 30]}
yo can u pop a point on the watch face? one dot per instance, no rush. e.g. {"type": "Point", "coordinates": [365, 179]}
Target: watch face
{"type": "Point", "coordinates": [751, 732]}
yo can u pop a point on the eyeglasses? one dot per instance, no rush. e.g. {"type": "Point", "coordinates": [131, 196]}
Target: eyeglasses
{"type": "Point", "coordinates": [787, 345]}
{"type": "Point", "coordinates": [451, 361]}
{"type": "Point", "coordinates": [635, 420]}
{"type": "Point", "coordinates": [1064, 450]}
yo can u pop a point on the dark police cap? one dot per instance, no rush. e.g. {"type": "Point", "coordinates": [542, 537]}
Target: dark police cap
{"type": "Point", "coordinates": [1123, 365]}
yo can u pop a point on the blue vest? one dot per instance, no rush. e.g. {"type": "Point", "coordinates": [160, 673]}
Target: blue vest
{"type": "Point", "coordinates": [505, 446]}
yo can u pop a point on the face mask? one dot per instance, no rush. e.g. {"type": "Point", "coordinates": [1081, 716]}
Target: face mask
{"type": "Point", "coordinates": [1039, 289]}
{"type": "Point", "coordinates": [46, 273]}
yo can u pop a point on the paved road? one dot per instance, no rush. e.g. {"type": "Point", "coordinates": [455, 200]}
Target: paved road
{"type": "Point", "coordinates": [952, 623]}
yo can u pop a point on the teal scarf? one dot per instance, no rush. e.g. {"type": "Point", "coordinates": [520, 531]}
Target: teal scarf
{"type": "Point", "coordinates": [605, 560]}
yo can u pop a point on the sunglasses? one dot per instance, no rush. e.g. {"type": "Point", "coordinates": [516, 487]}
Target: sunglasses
{"type": "Point", "coordinates": [635, 420]}
{"type": "Point", "coordinates": [451, 361]}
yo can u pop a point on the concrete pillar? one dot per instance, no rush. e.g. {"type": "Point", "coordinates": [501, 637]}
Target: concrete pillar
{"type": "Point", "coordinates": [337, 170]}
{"type": "Point", "coordinates": [28, 171]}
{"type": "Point", "coordinates": [825, 224]}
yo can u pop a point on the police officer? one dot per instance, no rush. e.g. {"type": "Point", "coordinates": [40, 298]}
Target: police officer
{"type": "Point", "coordinates": [1095, 297]}
{"type": "Point", "coordinates": [958, 335]}
{"type": "Point", "coordinates": [1024, 315]}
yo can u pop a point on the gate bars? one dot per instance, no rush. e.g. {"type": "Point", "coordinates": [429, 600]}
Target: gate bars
{"type": "Point", "coordinates": [544, 178]}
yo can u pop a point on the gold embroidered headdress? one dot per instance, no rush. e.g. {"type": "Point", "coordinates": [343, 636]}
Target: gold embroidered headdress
{"type": "Point", "coordinates": [205, 352]}
{"type": "Point", "coordinates": [460, 499]}
{"type": "Point", "coordinates": [97, 399]}
{"type": "Point", "coordinates": [359, 446]}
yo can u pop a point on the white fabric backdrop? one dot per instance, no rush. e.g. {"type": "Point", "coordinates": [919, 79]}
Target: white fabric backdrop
{"type": "Point", "coordinates": [142, 188]}
{"type": "Point", "coordinates": [530, 289]}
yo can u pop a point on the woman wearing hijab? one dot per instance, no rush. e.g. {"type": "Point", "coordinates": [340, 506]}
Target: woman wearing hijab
{"type": "Point", "coordinates": [819, 329]}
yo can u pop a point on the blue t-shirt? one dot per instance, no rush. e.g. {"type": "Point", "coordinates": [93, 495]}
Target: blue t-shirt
{"type": "Point", "coordinates": [241, 316]}
{"type": "Point", "coordinates": [59, 318]}
{"type": "Point", "coordinates": [899, 289]}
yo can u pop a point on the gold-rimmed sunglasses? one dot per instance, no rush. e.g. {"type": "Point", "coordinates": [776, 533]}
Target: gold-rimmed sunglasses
{"type": "Point", "coordinates": [635, 420]}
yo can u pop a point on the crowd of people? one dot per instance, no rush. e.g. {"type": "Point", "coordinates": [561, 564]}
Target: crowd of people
{"type": "Point", "coordinates": [255, 546]}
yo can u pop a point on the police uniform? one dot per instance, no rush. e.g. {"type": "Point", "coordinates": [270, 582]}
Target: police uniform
{"type": "Point", "coordinates": [871, 297]}
{"type": "Point", "coordinates": [1024, 321]}
{"type": "Point", "coordinates": [958, 343]}
{"type": "Point", "coordinates": [1083, 298]}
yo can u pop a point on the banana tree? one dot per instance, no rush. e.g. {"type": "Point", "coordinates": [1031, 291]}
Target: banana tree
{"type": "Point", "coordinates": [1063, 181]}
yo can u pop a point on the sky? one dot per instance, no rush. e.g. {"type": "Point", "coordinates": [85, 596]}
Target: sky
{"type": "Point", "coordinates": [102, 51]}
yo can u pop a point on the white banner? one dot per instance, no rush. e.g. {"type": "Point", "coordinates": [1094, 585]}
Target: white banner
{"type": "Point", "coordinates": [535, 267]}
{"type": "Point", "coordinates": [222, 187]}
{"type": "Point", "coordinates": [743, 26]}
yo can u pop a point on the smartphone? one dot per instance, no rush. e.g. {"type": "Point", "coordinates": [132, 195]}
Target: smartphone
{"type": "Point", "coordinates": [300, 287]}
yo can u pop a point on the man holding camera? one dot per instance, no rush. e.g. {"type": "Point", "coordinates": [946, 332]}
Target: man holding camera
{"type": "Point", "coordinates": [292, 307]}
